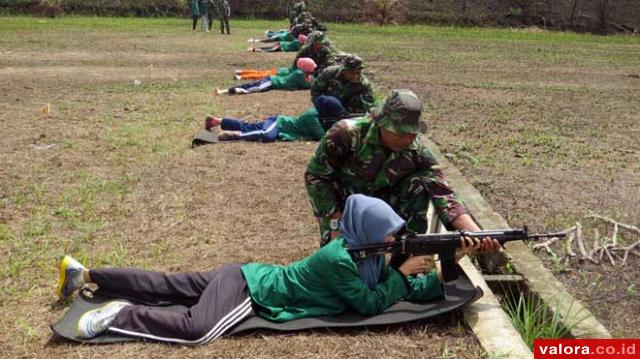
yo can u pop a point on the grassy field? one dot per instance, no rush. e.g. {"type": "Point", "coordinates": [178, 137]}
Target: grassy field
{"type": "Point", "coordinates": [545, 124]}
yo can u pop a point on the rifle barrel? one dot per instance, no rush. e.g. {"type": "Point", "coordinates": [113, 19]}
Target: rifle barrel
{"type": "Point", "coordinates": [534, 237]}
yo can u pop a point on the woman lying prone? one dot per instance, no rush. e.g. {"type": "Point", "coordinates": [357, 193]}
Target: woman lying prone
{"type": "Point", "coordinates": [328, 282]}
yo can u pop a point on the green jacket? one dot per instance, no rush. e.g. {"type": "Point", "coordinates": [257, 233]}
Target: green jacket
{"type": "Point", "coordinates": [327, 283]}
{"type": "Point", "coordinates": [194, 7]}
{"type": "Point", "coordinates": [355, 97]}
{"type": "Point", "coordinates": [204, 7]}
{"type": "Point", "coordinates": [350, 158]}
{"type": "Point", "coordinates": [285, 36]}
{"type": "Point", "coordinates": [284, 71]}
{"type": "Point", "coordinates": [292, 81]}
{"type": "Point", "coordinates": [306, 126]}
{"type": "Point", "coordinates": [289, 46]}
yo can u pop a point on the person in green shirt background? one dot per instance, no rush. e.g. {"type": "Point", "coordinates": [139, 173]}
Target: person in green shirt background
{"type": "Point", "coordinates": [194, 7]}
{"type": "Point", "coordinates": [203, 6]}
{"type": "Point", "coordinates": [306, 126]}
{"type": "Point", "coordinates": [315, 47]}
{"type": "Point", "coordinates": [290, 35]}
{"type": "Point", "coordinates": [284, 46]}
{"type": "Point", "coordinates": [299, 79]}
{"type": "Point", "coordinates": [328, 282]}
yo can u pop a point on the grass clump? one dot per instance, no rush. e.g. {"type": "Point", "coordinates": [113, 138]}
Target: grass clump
{"type": "Point", "coordinates": [534, 319]}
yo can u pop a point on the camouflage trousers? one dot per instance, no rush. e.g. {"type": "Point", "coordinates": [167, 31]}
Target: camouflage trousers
{"type": "Point", "coordinates": [408, 198]}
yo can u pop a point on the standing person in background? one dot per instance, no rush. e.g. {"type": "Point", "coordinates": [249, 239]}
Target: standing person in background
{"type": "Point", "coordinates": [297, 8]}
{"type": "Point", "coordinates": [195, 12]}
{"type": "Point", "coordinates": [204, 10]}
{"type": "Point", "coordinates": [212, 12]}
{"type": "Point", "coordinates": [224, 11]}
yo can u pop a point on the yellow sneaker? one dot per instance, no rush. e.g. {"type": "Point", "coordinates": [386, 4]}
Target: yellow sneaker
{"type": "Point", "coordinates": [69, 277]}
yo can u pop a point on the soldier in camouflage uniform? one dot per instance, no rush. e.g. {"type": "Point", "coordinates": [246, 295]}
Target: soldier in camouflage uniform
{"type": "Point", "coordinates": [381, 156]}
{"type": "Point", "coordinates": [297, 9]}
{"type": "Point", "coordinates": [315, 48]}
{"type": "Point", "coordinates": [315, 24]}
{"type": "Point", "coordinates": [346, 83]}
{"type": "Point", "coordinates": [224, 11]}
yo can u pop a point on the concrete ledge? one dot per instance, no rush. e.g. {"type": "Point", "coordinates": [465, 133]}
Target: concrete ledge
{"type": "Point", "coordinates": [489, 322]}
{"type": "Point", "coordinates": [540, 280]}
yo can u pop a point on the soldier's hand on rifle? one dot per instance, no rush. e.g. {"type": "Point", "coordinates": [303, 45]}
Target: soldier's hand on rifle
{"type": "Point", "coordinates": [416, 265]}
{"type": "Point", "coordinates": [472, 245]}
{"type": "Point", "coordinates": [489, 245]}
{"type": "Point", "coordinates": [467, 246]}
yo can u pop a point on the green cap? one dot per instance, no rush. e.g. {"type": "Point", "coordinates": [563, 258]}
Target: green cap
{"type": "Point", "coordinates": [353, 62]}
{"type": "Point", "coordinates": [400, 113]}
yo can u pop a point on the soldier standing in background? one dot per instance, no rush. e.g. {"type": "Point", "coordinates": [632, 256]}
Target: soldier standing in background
{"type": "Point", "coordinates": [295, 11]}
{"type": "Point", "coordinates": [212, 12]}
{"type": "Point", "coordinates": [224, 11]}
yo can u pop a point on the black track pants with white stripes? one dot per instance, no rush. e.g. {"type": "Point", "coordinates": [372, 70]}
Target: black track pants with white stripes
{"type": "Point", "coordinates": [217, 301]}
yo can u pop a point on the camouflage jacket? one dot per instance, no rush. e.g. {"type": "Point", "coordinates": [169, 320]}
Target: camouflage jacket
{"type": "Point", "coordinates": [315, 24]}
{"type": "Point", "coordinates": [351, 159]}
{"type": "Point", "coordinates": [323, 58]}
{"type": "Point", "coordinates": [224, 10]}
{"type": "Point", "coordinates": [355, 97]}
{"type": "Point", "coordinates": [299, 30]}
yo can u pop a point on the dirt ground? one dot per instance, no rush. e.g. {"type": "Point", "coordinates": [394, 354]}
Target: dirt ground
{"type": "Point", "coordinates": [121, 187]}
{"type": "Point", "coordinates": [545, 128]}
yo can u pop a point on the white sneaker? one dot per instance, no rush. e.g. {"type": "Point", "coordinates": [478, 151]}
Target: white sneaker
{"type": "Point", "coordinates": [237, 77]}
{"type": "Point", "coordinates": [69, 277]}
{"type": "Point", "coordinates": [250, 40]}
{"type": "Point", "coordinates": [97, 321]}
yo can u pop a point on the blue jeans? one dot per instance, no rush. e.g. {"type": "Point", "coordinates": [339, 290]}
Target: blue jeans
{"type": "Point", "coordinates": [256, 86]}
{"type": "Point", "coordinates": [263, 131]}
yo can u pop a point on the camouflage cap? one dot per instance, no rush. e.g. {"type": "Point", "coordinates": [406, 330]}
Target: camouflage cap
{"type": "Point", "coordinates": [353, 62]}
{"type": "Point", "coordinates": [315, 37]}
{"type": "Point", "coordinates": [400, 113]}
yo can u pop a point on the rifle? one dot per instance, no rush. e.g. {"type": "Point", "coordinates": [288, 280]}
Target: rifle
{"type": "Point", "coordinates": [443, 244]}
